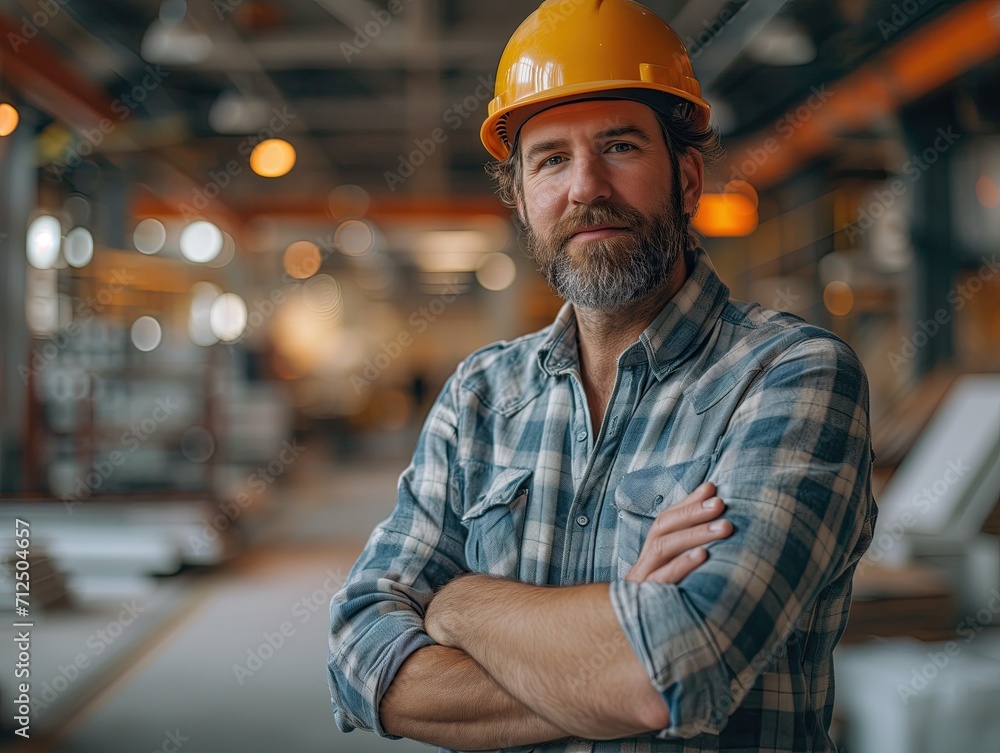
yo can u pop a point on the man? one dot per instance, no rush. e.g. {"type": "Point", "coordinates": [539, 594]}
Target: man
{"type": "Point", "coordinates": [550, 579]}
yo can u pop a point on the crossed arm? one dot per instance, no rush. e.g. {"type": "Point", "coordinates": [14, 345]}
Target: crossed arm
{"type": "Point", "coordinates": [519, 664]}
{"type": "Point", "coordinates": [484, 663]}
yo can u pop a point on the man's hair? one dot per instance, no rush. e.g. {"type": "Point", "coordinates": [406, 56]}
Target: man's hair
{"type": "Point", "coordinates": [679, 132]}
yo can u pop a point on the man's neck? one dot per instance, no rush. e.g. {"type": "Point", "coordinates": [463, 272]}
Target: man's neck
{"type": "Point", "coordinates": [603, 335]}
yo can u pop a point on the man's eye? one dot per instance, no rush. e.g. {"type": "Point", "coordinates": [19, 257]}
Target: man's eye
{"type": "Point", "coordinates": [550, 161]}
{"type": "Point", "coordinates": [627, 147]}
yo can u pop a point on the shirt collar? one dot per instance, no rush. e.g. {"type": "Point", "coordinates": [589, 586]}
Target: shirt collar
{"type": "Point", "coordinates": [671, 337]}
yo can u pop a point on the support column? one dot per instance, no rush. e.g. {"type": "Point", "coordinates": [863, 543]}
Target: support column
{"type": "Point", "coordinates": [18, 196]}
{"type": "Point", "coordinates": [931, 233]}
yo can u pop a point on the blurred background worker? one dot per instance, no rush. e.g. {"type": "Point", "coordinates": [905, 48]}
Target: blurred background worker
{"type": "Point", "coordinates": [545, 460]}
{"type": "Point", "coordinates": [246, 243]}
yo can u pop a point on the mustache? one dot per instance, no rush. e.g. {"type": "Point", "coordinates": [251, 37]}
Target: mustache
{"type": "Point", "coordinates": [604, 213]}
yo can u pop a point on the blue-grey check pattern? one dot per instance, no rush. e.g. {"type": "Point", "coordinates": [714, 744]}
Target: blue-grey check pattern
{"type": "Point", "coordinates": [508, 479]}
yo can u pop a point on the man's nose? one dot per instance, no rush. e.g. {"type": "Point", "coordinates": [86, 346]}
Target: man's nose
{"type": "Point", "coordinates": [589, 180]}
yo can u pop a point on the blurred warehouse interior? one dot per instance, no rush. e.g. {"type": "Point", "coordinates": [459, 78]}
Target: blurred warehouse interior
{"type": "Point", "coordinates": [232, 230]}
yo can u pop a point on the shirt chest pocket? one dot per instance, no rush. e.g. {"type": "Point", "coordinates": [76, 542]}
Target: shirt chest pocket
{"type": "Point", "coordinates": [642, 495]}
{"type": "Point", "coordinates": [495, 524]}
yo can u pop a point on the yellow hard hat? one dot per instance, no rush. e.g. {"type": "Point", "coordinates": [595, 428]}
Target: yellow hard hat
{"type": "Point", "coordinates": [569, 50]}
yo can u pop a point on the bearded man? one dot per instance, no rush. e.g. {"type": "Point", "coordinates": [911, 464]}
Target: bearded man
{"type": "Point", "coordinates": [636, 529]}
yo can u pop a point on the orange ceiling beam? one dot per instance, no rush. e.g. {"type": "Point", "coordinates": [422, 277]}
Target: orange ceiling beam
{"type": "Point", "coordinates": [919, 64]}
{"type": "Point", "coordinates": [47, 80]}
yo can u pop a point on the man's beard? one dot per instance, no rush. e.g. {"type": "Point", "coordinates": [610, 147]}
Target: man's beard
{"type": "Point", "coordinates": [615, 272]}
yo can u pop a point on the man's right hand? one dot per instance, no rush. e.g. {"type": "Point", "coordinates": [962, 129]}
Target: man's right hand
{"type": "Point", "coordinates": [675, 544]}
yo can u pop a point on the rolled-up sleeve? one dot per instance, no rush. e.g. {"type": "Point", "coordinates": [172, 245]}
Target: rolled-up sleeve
{"type": "Point", "coordinates": [793, 468]}
{"type": "Point", "coordinates": [376, 619]}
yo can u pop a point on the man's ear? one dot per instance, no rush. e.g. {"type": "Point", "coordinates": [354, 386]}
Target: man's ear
{"type": "Point", "coordinates": [692, 169]}
{"type": "Point", "coordinates": [521, 213]}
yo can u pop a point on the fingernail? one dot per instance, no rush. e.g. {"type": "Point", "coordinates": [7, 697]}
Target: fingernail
{"type": "Point", "coordinates": [695, 553]}
{"type": "Point", "coordinates": [717, 526]}
{"type": "Point", "coordinates": [708, 504]}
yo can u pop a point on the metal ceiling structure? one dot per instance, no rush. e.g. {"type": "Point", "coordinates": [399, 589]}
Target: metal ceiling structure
{"type": "Point", "coordinates": [357, 85]}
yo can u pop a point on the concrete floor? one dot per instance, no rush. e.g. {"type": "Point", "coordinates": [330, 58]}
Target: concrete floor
{"type": "Point", "coordinates": [169, 674]}
{"type": "Point", "coordinates": [179, 680]}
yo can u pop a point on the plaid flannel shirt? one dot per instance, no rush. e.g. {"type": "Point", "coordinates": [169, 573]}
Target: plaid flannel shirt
{"type": "Point", "coordinates": [508, 479]}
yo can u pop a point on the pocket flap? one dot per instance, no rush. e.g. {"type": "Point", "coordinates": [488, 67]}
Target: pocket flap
{"type": "Point", "coordinates": [648, 491]}
{"type": "Point", "coordinates": [503, 490]}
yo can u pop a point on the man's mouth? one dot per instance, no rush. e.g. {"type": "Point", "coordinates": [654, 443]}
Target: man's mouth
{"type": "Point", "coordinates": [598, 232]}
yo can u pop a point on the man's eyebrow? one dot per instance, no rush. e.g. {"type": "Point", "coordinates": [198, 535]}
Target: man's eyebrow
{"type": "Point", "coordinates": [544, 146]}
{"type": "Point", "coordinates": [625, 130]}
{"type": "Point", "coordinates": [610, 133]}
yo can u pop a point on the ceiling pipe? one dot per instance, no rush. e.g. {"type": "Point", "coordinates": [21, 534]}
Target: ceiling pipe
{"type": "Point", "coordinates": [918, 65]}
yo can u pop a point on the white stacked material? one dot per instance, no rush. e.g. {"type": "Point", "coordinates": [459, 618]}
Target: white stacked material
{"type": "Point", "coordinates": [904, 696]}
{"type": "Point", "coordinates": [112, 551]}
{"type": "Point", "coordinates": [936, 503]}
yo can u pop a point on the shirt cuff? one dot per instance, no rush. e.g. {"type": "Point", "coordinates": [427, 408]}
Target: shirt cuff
{"type": "Point", "coordinates": [678, 653]}
{"type": "Point", "coordinates": [408, 643]}
{"type": "Point", "coordinates": [384, 647]}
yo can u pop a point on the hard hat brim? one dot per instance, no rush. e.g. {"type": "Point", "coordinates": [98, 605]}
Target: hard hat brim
{"type": "Point", "coordinates": [507, 121]}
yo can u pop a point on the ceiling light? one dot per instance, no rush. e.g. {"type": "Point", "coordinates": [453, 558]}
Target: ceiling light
{"type": "Point", "coordinates": [201, 242]}
{"type": "Point", "coordinates": [149, 236]}
{"type": "Point", "coordinates": [272, 158]}
{"type": "Point", "coordinates": [146, 333]}
{"type": "Point", "coordinates": [172, 39]}
{"type": "Point", "coordinates": [228, 317]}
{"type": "Point", "coordinates": [234, 113]}
{"type": "Point", "coordinates": [43, 241]}
{"type": "Point", "coordinates": [8, 119]}
{"type": "Point", "coordinates": [782, 42]}
{"type": "Point", "coordinates": [78, 247]}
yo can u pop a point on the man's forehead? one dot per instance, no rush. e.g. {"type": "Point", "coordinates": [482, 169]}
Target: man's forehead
{"type": "Point", "coordinates": [591, 116]}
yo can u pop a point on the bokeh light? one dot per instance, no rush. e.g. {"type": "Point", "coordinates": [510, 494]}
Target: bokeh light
{"type": "Point", "coordinates": [149, 236]}
{"type": "Point", "coordinates": [302, 260]}
{"type": "Point", "coordinates": [8, 119]}
{"type": "Point", "coordinates": [201, 242]}
{"type": "Point", "coordinates": [227, 254]}
{"type": "Point", "coordinates": [348, 201]}
{"type": "Point", "coordinates": [146, 333]}
{"type": "Point", "coordinates": [728, 214]}
{"type": "Point", "coordinates": [197, 444]}
{"type": "Point", "coordinates": [78, 248]}
{"type": "Point", "coordinates": [203, 295]}
{"type": "Point", "coordinates": [272, 158]}
{"type": "Point", "coordinates": [323, 296]}
{"type": "Point", "coordinates": [43, 241]}
{"type": "Point", "coordinates": [496, 272]}
{"type": "Point", "coordinates": [354, 237]}
{"type": "Point", "coordinates": [838, 298]}
{"type": "Point", "coordinates": [234, 113]}
{"type": "Point", "coordinates": [228, 317]}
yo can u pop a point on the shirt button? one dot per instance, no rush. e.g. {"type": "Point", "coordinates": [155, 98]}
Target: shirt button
{"type": "Point", "coordinates": [582, 520]}
{"type": "Point", "coordinates": [658, 499]}
{"type": "Point", "coordinates": [581, 436]}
